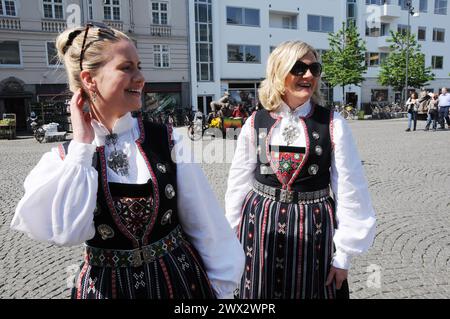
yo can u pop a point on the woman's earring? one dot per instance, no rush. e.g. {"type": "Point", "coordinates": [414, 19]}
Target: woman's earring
{"type": "Point", "coordinates": [94, 96]}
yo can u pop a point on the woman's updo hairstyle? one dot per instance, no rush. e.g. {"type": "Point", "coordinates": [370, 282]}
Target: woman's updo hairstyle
{"type": "Point", "coordinates": [69, 45]}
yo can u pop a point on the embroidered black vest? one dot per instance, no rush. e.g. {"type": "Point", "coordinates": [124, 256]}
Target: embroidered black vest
{"type": "Point", "coordinates": [155, 146]}
{"type": "Point", "coordinates": [313, 172]}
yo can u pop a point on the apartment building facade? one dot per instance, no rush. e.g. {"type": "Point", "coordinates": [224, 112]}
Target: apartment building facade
{"type": "Point", "coordinates": [30, 72]}
{"type": "Point", "coordinates": [232, 39]}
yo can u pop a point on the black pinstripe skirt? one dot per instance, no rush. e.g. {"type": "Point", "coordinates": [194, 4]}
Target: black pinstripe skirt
{"type": "Point", "coordinates": [288, 247]}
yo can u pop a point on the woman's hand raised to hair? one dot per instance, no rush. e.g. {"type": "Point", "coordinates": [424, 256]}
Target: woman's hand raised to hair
{"type": "Point", "coordinates": [81, 121]}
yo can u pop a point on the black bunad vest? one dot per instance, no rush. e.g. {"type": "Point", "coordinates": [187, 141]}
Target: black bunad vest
{"type": "Point", "coordinates": [314, 172]}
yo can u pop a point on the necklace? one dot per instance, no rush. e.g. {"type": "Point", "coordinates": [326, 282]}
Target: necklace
{"type": "Point", "coordinates": [117, 159]}
{"type": "Point", "coordinates": [291, 131]}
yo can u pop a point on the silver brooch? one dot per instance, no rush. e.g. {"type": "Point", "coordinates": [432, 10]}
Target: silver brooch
{"type": "Point", "coordinates": [318, 150]}
{"type": "Point", "coordinates": [265, 169]}
{"type": "Point", "coordinates": [170, 192]}
{"type": "Point", "coordinates": [161, 167]}
{"type": "Point", "coordinates": [313, 169]}
{"type": "Point", "coordinates": [315, 135]}
{"type": "Point", "coordinates": [291, 133]}
{"type": "Point", "coordinates": [117, 159]}
{"type": "Point", "coordinates": [105, 231]}
{"type": "Point", "coordinates": [262, 135]}
{"type": "Point", "coordinates": [167, 217]}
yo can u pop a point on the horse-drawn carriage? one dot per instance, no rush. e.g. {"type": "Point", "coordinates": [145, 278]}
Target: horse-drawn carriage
{"type": "Point", "coordinates": [217, 126]}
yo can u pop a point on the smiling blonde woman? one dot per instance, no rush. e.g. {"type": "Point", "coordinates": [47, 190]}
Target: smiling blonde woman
{"type": "Point", "coordinates": [297, 196]}
{"type": "Point", "coordinates": [152, 227]}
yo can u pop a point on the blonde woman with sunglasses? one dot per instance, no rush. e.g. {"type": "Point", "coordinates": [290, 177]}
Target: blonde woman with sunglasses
{"type": "Point", "coordinates": [152, 226]}
{"type": "Point", "coordinates": [297, 196]}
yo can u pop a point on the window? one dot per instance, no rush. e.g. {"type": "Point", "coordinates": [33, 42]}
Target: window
{"type": "Point", "coordinates": [320, 23]}
{"type": "Point", "coordinates": [244, 53]}
{"type": "Point", "coordinates": [204, 41]}
{"type": "Point", "coordinates": [438, 35]}
{"type": "Point", "coordinates": [161, 56]}
{"type": "Point", "coordinates": [52, 55]}
{"type": "Point", "coordinates": [378, 2]}
{"type": "Point", "coordinates": [160, 13]}
{"type": "Point", "coordinates": [423, 6]}
{"type": "Point", "coordinates": [374, 59]}
{"type": "Point", "coordinates": [10, 53]}
{"type": "Point", "coordinates": [403, 29]}
{"type": "Point", "coordinates": [402, 4]}
{"type": "Point", "coordinates": [53, 9]}
{"type": "Point", "coordinates": [243, 16]}
{"type": "Point", "coordinates": [90, 10]}
{"type": "Point", "coordinates": [376, 32]}
{"type": "Point", "coordinates": [111, 10]}
{"type": "Point", "coordinates": [289, 22]}
{"type": "Point", "coordinates": [422, 33]}
{"type": "Point", "coordinates": [440, 6]}
{"type": "Point", "coordinates": [7, 8]}
{"type": "Point", "coordinates": [437, 62]}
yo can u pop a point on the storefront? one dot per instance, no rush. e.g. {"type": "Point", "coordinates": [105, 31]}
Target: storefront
{"type": "Point", "coordinates": [162, 96]}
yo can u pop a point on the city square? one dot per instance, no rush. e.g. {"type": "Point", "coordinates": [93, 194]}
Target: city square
{"type": "Point", "coordinates": [408, 179]}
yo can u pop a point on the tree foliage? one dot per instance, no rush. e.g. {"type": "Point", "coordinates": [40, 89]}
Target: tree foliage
{"type": "Point", "coordinates": [344, 62]}
{"type": "Point", "coordinates": [393, 69]}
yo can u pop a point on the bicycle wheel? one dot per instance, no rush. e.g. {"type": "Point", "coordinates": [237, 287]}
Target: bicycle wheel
{"type": "Point", "coordinates": [39, 134]}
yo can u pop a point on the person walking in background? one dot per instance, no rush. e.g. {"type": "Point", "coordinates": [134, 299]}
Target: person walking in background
{"type": "Point", "coordinates": [432, 116]}
{"type": "Point", "coordinates": [412, 105]}
{"type": "Point", "coordinates": [444, 106]}
{"type": "Point", "coordinates": [297, 236]}
{"type": "Point", "coordinates": [151, 224]}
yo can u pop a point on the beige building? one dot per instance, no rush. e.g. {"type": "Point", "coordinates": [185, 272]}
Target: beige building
{"type": "Point", "coordinates": [29, 71]}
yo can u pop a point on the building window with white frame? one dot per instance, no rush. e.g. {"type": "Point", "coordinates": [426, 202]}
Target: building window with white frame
{"type": "Point", "coordinates": [111, 10]}
{"type": "Point", "coordinates": [378, 2]}
{"type": "Point", "coordinates": [160, 13]}
{"type": "Point", "coordinates": [422, 33]}
{"type": "Point", "coordinates": [403, 29]}
{"type": "Point", "coordinates": [244, 53]}
{"type": "Point", "coordinates": [440, 6]}
{"type": "Point", "coordinates": [10, 53]}
{"type": "Point", "coordinates": [52, 54]}
{"type": "Point", "coordinates": [320, 23]}
{"type": "Point", "coordinates": [438, 35]}
{"type": "Point", "coordinates": [375, 59]}
{"type": "Point", "coordinates": [8, 8]}
{"type": "Point", "coordinates": [437, 62]}
{"type": "Point", "coordinates": [161, 56]}
{"type": "Point", "coordinates": [90, 10]}
{"type": "Point", "coordinates": [53, 9]}
{"type": "Point", "coordinates": [423, 6]}
{"type": "Point", "coordinates": [243, 16]}
{"type": "Point", "coordinates": [204, 41]}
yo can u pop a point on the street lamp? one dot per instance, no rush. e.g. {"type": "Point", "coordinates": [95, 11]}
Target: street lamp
{"type": "Point", "coordinates": [411, 12]}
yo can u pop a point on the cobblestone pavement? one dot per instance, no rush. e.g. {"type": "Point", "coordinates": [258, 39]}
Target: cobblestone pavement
{"type": "Point", "coordinates": [409, 180]}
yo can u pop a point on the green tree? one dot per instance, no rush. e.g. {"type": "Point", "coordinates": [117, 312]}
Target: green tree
{"type": "Point", "coordinates": [393, 68]}
{"type": "Point", "coordinates": [344, 62]}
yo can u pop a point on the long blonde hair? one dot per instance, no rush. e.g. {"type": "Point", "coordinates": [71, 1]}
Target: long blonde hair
{"type": "Point", "coordinates": [69, 43]}
{"type": "Point", "coordinates": [280, 62]}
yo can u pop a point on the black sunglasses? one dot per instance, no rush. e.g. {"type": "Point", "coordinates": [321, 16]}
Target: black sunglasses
{"type": "Point", "coordinates": [102, 28]}
{"type": "Point", "coordinates": [300, 68]}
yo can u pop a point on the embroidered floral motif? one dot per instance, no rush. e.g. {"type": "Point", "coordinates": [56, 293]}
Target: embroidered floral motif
{"type": "Point", "coordinates": [286, 164]}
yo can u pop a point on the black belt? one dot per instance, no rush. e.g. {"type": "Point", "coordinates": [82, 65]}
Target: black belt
{"type": "Point", "coordinates": [285, 196]}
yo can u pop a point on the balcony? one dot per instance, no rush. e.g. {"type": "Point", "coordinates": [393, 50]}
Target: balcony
{"type": "Point", "coordinates": [118, 25]}
{"type": "Point", "coordinates": [383, 43]}
{"type": "Point", "coordinates": [389, 12]}
{"type": "Point", "coordinates": [283, 20]}
{"type": "Point", "coordinates": [55, 26]}
{"type": "Point", "coordinates": [157, 30]}
{"type": "Point", "coordinates": [10, 23]}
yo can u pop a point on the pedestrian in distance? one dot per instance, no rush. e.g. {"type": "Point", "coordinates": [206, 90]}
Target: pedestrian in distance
{"type": "Point", "coordinates": [297, 196]}
{"type": "Point", "coordinates": [412, 106]}
{"type": "Point", "coordinates": [151, 224]}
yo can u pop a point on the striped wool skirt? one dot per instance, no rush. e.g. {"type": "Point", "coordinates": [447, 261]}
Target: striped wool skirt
{"type": "Point", "coordinates": [288, 247]}
{"type": "Point", "coordinates": [178, 274]}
